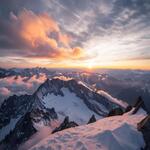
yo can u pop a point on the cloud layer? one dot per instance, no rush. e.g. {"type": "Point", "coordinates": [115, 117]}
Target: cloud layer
{"type": "Point", "coordinates": [75, 32]}
{"type": "Point", "coordinates": [19, 85]}
{"type": "Point", "coordinates": [36, 36]}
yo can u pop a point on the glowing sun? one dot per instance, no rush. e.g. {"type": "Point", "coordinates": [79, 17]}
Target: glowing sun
{"type": "Point", "coordinates": [90, 65]}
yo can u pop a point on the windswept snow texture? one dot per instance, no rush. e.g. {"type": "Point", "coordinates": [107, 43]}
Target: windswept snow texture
{"type": "Point", "coordinates": [84, 84]}
{"type": "Point", "coordinates": [112, 133]}
{"type": "Point", "coordinates": [69, 105]}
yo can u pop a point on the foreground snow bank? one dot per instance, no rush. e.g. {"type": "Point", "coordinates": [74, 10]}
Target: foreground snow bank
{"type": "Point", "coordinates": [113, 133]}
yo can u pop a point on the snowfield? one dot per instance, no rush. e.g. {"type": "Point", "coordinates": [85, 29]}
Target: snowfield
{"type": "Point", "coordinates": [69, 105]}
{"type": "Point", "coordinates": [112, 133]}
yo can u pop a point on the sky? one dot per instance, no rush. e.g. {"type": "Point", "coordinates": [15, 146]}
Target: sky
{"type": "Point", "coordinates": [75, 33]}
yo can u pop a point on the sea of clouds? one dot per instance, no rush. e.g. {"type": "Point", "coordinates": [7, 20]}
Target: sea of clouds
{"type": "Point", "coordinates": [19, 85]}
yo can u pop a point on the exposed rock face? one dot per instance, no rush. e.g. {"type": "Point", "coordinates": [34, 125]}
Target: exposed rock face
{"type": "Point", "coordinates": [28, 110]}
{"type": "Point", "coordinates": [25, 127]}
{"type": "Point", "coordinates": [139, 104]}
{"type": "Point", "coordinates": [144, 127]}
{"type": "Point", "coordinates": [92, 99]}
{"type": "Point", "coordinates": [129, 107]}
{"type": "Point", "coordinates": [65, 124]}
{"type": "Point", "coordinates": [43, 115]}
{"type": "Point", "coordinates": [14, 106]}
{"type": "Point", "coordinates": [115, 112]}
{"type": "Point", "coordinates": [92, 119]}
{"type": "Point", "coordinates": [23, 130]}
{"type": "Point", "coordinates": [33, 109]}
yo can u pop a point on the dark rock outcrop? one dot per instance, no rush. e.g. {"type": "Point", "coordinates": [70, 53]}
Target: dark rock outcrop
{"type": "Point", "coordinates": [23, 130]}
{"type": "Point", "coordinates": [115, 112]}
{"type": "Point", "coordinates": [20, 106]}
{"type": "Point", "coordinates": [139, 104]}
{"type": "Point", "coordinates": [14, 106]}
{"type": "Point", "coordinates": [31, 112]}
{"type": "Point", "coordinates": [91, 98]}
{"type": "Point", "coordinates": [144, 127]}
{"type": "Point", "coordinates": [129, 107]}
{"type": "Point", "coordinates": [92, 119]}
{"type": "Point", "coordinates": [45, 115]}
{"type": "Point", "coordinates": [65, 124]}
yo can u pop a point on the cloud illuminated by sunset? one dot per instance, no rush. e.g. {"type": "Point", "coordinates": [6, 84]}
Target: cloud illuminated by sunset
{"type": "Point", "coordinates": [75, 34]}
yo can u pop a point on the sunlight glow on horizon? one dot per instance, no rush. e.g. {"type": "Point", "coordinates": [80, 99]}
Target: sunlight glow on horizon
{"type": "Point", "coordinates": [87, 65]}
{"type": "Point", "coordinates": [74, 36]}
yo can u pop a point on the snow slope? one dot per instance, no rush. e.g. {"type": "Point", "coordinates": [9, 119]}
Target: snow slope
{"type": "Point", "coordinates": [69, 105]}
{"type": "Point", "coordinates": [114, 100]}
{"type": "Point", "coordinates": [112, 133]}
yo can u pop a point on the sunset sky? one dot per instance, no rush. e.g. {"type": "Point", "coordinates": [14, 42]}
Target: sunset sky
{"type": "Point", "coordinates": [75, 33]}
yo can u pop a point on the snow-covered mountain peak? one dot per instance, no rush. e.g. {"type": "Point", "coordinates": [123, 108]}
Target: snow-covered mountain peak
{"type": "Point", "coordinates": [54, 100]}
{"type": "Point", "coordinates": [75, 99]}
{"type": "Point", "coordinates": [80, 89]}
{"type": "Point", "coordinates": [62, 78]}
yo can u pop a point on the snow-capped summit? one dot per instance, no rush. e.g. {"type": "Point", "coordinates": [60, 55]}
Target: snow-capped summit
{"type": "Point", "coordinates": [73, 99]}
{"type": "Point", "coordinates": [54, 100]}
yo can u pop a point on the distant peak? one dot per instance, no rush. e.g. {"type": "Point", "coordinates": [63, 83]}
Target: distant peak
{"type": "Point", "coordinates": [64, 78]}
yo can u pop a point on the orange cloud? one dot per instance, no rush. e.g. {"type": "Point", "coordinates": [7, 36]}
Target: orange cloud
{"type": "Point", "coordinates": [35, 28]}
{"type": "Point", "coordinates": [72, 53]}
{"type": "Point", "coordinates": [65, 39]}
{"type": "Point", "coordinates": [44, 37]}
{"type": "Point", "coordinates": [78, 52]}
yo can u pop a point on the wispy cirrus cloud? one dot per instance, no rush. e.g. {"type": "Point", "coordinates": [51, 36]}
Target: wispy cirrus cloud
{"type": "Point", "coordinates": [75, 31]}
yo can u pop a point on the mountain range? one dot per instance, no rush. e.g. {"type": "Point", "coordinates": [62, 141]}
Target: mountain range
{"type": "Point", "coordinates": [125, 85]}
{"type": "Point", "coordinates": [68, 100]}
{"type": "Point", "coordinates": [54, 100]}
